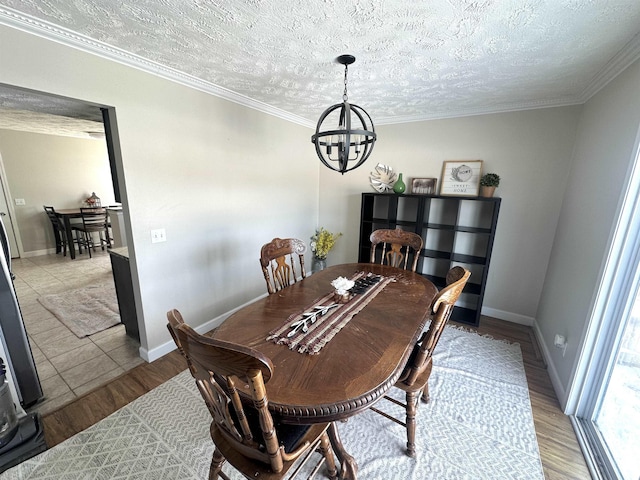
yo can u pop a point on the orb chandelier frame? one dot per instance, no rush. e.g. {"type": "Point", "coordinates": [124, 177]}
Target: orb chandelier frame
{"type": "Point", "coordinates": [348, 145]}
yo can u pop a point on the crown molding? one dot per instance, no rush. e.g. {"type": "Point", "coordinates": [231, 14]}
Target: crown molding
{"type": "Point", "coordinates": [55, 33]}
{"type": "Point", "coordinates": [620, 61]}
{"type": "Point", "coordinates": [470, 112]}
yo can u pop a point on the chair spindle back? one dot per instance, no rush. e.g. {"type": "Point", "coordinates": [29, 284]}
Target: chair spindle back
{"type": "Point", "coordinates": [393, 243]}
{"type": "Point", "coordinates": [442, 306]}
{"type": "Point", "coordinates": [279, 274]}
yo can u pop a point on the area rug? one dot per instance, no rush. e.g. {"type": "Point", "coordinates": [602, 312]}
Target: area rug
{"type": "Point", "coordinates": [86, 310]}
{"type": "Point", "coordinates": [478, 425]}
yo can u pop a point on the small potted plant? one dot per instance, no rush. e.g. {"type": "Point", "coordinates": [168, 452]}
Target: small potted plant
{"type": "Point", "coordinates": [488, 184]}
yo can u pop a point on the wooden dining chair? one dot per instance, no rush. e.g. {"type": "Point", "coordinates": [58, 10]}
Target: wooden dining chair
{"type": "Point", "coordinates": [246, 436]}
{"type": "Point", "coordinates": [397, 247]}
{"type": "Point", "coordinates": [59, 232]}
{"type": "Point", "coordinates": [94, 220]}
{"type": "Point", "coordinates": [278, 273]}
{"type": "Point", "coordinates": [415, 376]}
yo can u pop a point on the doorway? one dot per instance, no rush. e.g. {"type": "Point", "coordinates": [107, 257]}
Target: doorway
{"type": "Point", "coordinates": [67, 365]}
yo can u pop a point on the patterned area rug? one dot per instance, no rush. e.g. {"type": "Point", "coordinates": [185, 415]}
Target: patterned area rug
{"type": "Point", "coordinates": [87, 310]}
{"type": "Point", "coordinates": [478, 425]}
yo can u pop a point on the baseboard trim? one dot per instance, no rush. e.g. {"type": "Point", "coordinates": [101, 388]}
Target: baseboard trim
{"type": "Point", "coordinates": [37, 253]}
{"type": "Point", "coordinates": [558, 386]}
{"type": "Point", "coordinates": [168, 347]}
{"type": "Point", "coordinates": [508, 316]}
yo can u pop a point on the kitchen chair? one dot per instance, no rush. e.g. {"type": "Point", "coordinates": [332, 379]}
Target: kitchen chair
{"type": "Point", "coordinates": [94, 220]}
{"type": "Point", "coordinates": [273, 258]}
{"type": "Point", "coordinates": [392, 243]}
{"type": "Point", "coordinates": [415, 377]}
{"type": "Point", "coordinates": [246, 435]}
{"type": "Point", "coordinates": [59, 232]}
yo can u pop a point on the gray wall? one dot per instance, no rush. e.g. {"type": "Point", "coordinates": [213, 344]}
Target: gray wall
{"type": "Point", "coordinates": [51, 170]}
{"type": "Point", "coordinates": [604, 151]}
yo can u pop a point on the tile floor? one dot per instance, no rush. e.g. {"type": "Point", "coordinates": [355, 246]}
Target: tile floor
{"type": "Point", "coordinates": [69, 366]}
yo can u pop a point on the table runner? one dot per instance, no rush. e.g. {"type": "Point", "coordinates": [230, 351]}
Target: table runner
{"type": "Point", "coordinates": [311, 329]}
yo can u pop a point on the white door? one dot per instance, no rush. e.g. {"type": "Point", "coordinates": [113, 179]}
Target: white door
{"type": "Point", "coordinates": [8, 221]}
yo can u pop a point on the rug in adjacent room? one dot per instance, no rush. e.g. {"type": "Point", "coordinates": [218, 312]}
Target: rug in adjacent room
{"type": "Point", "coordinates": [86, 310]}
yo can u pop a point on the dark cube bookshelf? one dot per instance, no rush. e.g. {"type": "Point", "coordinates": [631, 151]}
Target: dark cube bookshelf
{"type": "Point", "coordinates": [455, 231]}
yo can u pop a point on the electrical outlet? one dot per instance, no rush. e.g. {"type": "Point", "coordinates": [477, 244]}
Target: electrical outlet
{"type": "Point", "coordinates": [159, 235]}
{"type": "Point", "coordinates": [20, 201]}
{"type": "Point", "coordinates": [560, 342]}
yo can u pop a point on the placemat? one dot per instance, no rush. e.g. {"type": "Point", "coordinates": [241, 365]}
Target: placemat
{"type": "Point", "coordinates": [312, 328]}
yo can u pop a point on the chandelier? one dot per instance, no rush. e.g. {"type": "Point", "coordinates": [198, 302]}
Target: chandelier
{"type": "Point", "coordinates": [348, 142]}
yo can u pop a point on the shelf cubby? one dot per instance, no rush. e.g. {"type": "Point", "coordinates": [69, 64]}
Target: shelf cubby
{"type": "Point", "coordinates": [455, 231]}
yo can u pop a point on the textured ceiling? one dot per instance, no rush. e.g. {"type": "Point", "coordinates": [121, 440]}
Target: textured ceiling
{"type": "Point", "coordinates": [415, 59]}
{"type": "Point", "coordinates": [52, 115]}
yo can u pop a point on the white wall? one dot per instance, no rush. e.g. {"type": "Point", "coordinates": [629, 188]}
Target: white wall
{"type": "Point", "coordinates": [220, 178]}
{"type": "Point", "coordinates": [55, 171]}
{"type": "Point", "coordinates": [603, 154]}
{"type": "Point", "coordinates": [530, 150]}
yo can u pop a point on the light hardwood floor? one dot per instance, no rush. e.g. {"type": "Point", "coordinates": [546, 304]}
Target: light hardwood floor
{"type": "Point", "coordinates": [559, 451]}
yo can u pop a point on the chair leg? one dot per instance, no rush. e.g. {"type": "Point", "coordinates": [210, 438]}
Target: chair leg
{"type": "Point", "coordinates": [108, 240]}
{"type": "Point", "coordinates": [412, 400]}
{"type": "Point", "coordinates": [327, 453]}
{"type": "Point", "coordinates": [87, 238]}
{"type": "Point", "coordinates": [56, 234]}
{"type": "Point", "coordinates": [425, 394]}
{"type": "Point", "coordinates": [216, 465]}
{"type": "Point", "coordinates": [104, 240]}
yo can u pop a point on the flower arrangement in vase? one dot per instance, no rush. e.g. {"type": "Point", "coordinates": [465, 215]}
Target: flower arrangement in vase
{"type": "Point", "coordinates": [321, 244]}
{"type": "Point", "coordinates": [342, 293]}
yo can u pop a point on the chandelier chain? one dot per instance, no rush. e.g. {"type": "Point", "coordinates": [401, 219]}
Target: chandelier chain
{"type": "Point", "coordinates": [344, 96]}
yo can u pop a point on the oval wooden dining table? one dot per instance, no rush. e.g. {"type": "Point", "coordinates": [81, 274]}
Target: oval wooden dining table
{"type": "Point", "coordinates": [356, 367]}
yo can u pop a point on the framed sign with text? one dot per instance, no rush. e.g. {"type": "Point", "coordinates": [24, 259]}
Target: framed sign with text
{"type": "Point", "coordinates": [461, 178]}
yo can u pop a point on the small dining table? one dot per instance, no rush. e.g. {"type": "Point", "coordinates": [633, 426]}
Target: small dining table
{"type": "Point", "coordinates": [357, 366]}
{"type": "Point", "coordinates": [67, 214]}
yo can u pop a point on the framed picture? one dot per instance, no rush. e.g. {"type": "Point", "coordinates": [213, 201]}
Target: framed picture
{"type": "Point", "coordinates": [424, 186]}
{"type": "Point", "coordinates": [461, 178]}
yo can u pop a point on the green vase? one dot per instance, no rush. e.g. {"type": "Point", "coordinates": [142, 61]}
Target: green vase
{"type": "Point", "coordinates": [399, 186]}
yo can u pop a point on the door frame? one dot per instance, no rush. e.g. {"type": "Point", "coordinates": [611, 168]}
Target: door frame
{"type": "Point", "coordinates": [4, 186]}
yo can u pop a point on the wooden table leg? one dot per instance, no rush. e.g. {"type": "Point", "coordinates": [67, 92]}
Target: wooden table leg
{"type": "Point", "coordinates": [348, 466]}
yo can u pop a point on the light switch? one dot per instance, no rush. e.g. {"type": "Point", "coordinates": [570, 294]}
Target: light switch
{"type": "Point", "coordinates": [20, 201]}
{"type": "Point", "coordinates": [158, 235]}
